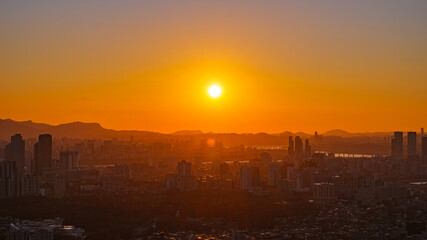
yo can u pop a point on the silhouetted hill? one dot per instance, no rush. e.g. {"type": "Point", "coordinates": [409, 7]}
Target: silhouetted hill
{"type": "Point", "coordinates": [288, 134]}
{"type": "Point", "coordinates": [188, 133]}
{"type": "Point", "coordinates": [9, 127]}
{"type": "Point", "coordinates": [81, 130]}
{"type": "Point", "coordinates": [336, 132]}
{"type": "Point", "coordinates": [342, 133]}
{"type": "Point", "coordinates": [29, 129]}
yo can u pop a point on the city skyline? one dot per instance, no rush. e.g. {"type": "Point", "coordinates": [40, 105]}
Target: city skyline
{"type": "Point", "coordinates": [213, 119]}
{"type": "Point", "coordinates": [331, 132]}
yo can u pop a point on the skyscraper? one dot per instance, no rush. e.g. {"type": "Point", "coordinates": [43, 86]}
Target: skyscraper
{"type": "Point", "coordinates": [245, 178]}
{"type": "Point", "coordinates": [185, 179]}
{"type": "Point", "coordinates": [316, 138]}
{"type": "Point", "coordinates": [397, 145]}
{"type": "Point", "coordinates": [184, 169]}
{"type": "Point", "coordinates": [68, 160]}
{"type": "Point", "coordinates": [307, 149]}
{"type": "Point", "coordinates": [15, 152]}
{"type": "Point", "coordinates": [43, 154]}
{"type": "Point", "coordinates": [299, 150]}
{"type": "Point", "coordinates": [424, 148]}
{"type": "Point", "coordinates": [412, 144]}
{"type": "Point", "coordinates": [291, 151]}
{"type": "Point", "coordinates": [273, 174]}
{"type": "Point", "coordinates": [36, 166]}
{"type": "Point", "coordinates": [8, 179]}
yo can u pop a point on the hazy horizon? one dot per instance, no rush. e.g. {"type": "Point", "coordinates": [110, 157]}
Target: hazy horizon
{"type": "Point", "coordinates": [207, 131]}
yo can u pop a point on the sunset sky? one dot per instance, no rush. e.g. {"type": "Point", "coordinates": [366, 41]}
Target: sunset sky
{"type": "Point", "coordinates": [282, 65]}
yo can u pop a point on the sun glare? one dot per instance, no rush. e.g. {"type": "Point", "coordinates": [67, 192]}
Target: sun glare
{"type": "Point", "coordinates": [214, 91]}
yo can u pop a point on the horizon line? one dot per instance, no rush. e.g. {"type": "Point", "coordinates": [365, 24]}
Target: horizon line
{"type": "Point", "coordinates": [210, 132]}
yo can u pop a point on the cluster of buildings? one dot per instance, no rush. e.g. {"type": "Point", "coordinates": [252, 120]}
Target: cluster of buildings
{"type": "Point", "coordinates": [183, 180]}
{"type": "Point", "coordinates": [299, 172]}
{"type": "Point", "coordinates": [43, 175]}
{"type": "Point", "coordinates": [331, 222]}
{"type": "Point", "coordinates": [411, 153]}
{"type": "Point", "coordinates": [322, 177]}
{"type": "Point", "coordinates": [48, 229]}
{"type": "Point", "coordinates": [296, 173]}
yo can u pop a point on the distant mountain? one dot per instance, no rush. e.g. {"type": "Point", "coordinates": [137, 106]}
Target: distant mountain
{"type": "Point", "coordinates": [342, 133]}
{"type": "Point", "coordinates": [337, 132]}
{"type": "Point", "coordinates": [29, 129]}
{"type": "Point", "coordinates": [9, 127]}
{"type": "Point", "coordinates": [81, 130]}
{"type": "Point", "coordinates": [288, 134]}
{"type": "Point", "coordinates": [188, 133]}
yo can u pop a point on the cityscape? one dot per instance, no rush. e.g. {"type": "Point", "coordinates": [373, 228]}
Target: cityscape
{"type": "Point", "coordinates": [182, 187]}
{"type": "Point", "coordinates": [213, 120]}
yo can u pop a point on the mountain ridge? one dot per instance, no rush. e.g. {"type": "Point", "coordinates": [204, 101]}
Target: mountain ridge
{"type": "Point", "coordinates": [30, 129]}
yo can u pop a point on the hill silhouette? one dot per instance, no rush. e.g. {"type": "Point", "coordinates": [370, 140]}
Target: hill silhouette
{"type": "Point", "coordinates": [30, 129]}
{"type": "Point", "coordinates": [80, 130]}
{"type": "Point", "coordinates": [337, 132]}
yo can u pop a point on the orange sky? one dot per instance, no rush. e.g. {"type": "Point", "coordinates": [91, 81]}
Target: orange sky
{"type": "Point", "coordinates": [295, 66]}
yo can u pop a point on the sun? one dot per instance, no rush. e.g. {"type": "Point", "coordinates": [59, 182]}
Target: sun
{"type": "Point", "coordinates": [214, 91]}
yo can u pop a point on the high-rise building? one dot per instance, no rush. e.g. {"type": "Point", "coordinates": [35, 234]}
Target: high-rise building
{"type": "Point", "coordinates": [43, 154]}
{"type": "Point", "coordinates": [68, 160]}
{"type": "Point", "coordinates": [397, 145]}
{"type": "Point", "coordinates": [245, 178]}
{"type": "Point", "coordinates": [316, 138]}
{"type": "Point", "coordinates": [15, 152]}
{"type": "Point", "coordinates": [273, 174]}
{"type": "Point", "coordinates": [250, 177]}
{"type": "Point", "coordinates": [307, 149]}
{"type": "Point", "coordinates": [185, 180]}
{"type": "Point", "coordinates": [420, 150]}
{"type": "Point", "coordinates": [324, 192]}
{"type": "Point", "coordinates": [299, 151]}
{"type": "Point", "coordinates": [412, 144]}
{"type": "Point", "coordinates": [29, 185]}
{"type": "Point", "coordinates": [8, 179]}
{"type": "Point", "coordinates": [291, 149]}
{"type": "Point", "coordinates": [36, 166]}
{"type": "Point", "coordinates": [424, 148]}
{"type": "Point", "coordinates": [184, 169]}
{"type": "Point", "coordinates": [91, 146]}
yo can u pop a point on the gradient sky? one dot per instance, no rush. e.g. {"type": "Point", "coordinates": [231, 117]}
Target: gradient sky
{"type": "Point", "coordinates": [283, 65]}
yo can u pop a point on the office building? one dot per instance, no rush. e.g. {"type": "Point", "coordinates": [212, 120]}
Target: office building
{"type": "Point", "coordinates": [316, 138]}
{"type": "Point", "coordinates": [412, 144]}
{"type": "Point", "coordinates": [185, 179]}
{"type": "Point", "coordinates": [291, 151]}
{"type": "Point", "coordinates": [250, 177]}
{"type": "Point", "coordinates": [307, 149]}
{"type": "Point", "coordinates": [299, 151]}
{"type": "Point", "coordinates": [424, 148]}
{"type": "Point", "coordinates": [68, 160]}
{"type": "Point", "coordinates": [8, 179]}
{"type": "Point", "coordinates": [15, 152]}
{"type": "Point", "coordinates": [324, 192]}
{"type": "Point", "coordinates": [273, 174]}
{"type": "Point", "coordinates": [29, 185]}
{"type": "Point", "coordinates": [184, 169]}
{"type": "Point", "coordinates": [43, 154]}
{"type": "Point", "coordinates": [397, 145]}
{"type": "Point", "coordinates": [245, 178]}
